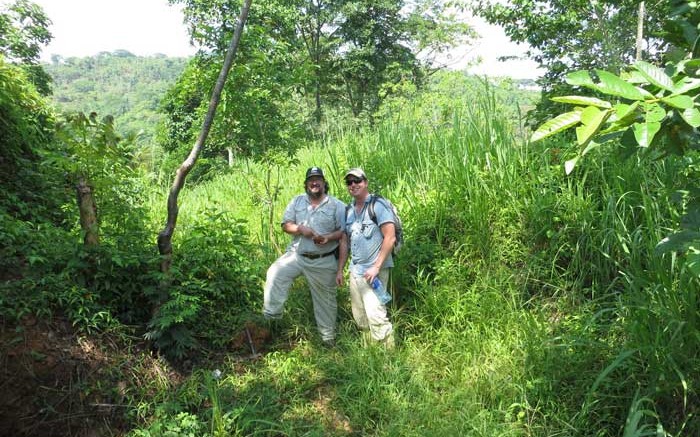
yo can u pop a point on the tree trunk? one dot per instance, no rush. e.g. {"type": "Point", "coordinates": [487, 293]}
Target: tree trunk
{"type": "Point", "coordinates": [165, 236]}
{"type": "Point", "coordinates": [88, 213]}
{"type": "Point", "coordinates": [229, 151]}
{"type": "Point", "coordinates": [640, 32]}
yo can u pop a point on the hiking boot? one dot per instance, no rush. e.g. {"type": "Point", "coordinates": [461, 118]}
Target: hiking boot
{"type": "Point", "coordinates": [366, 338]}
{"type": "Point", "coordinates": [388, 342]}
{"type": "Point", "coordinates": [329, 343]}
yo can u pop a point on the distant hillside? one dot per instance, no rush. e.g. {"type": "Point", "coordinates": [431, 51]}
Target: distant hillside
{"type": "Point", "coordinates": [121, 84]}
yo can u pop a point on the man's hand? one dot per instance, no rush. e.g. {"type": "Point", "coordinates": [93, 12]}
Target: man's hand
{"type": "Point", "coordinates": [339, 281]}
{"type": "Point", "coordinates": [370, 274]}
{"type": "Point", "coordinates": [320, 239]}
{"type": "Point", "coordinates": [306, 231]}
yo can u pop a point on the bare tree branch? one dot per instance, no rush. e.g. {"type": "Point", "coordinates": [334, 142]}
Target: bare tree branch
{"type": "Point", "coordinates": [165, 236]}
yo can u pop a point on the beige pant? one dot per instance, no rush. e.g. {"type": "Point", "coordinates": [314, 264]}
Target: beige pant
{"type": "Point", "coordinates": [368, 312]}
{"type": "Point", "coordinates": [320, 275]}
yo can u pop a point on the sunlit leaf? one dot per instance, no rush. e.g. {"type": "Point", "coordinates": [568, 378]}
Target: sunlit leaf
{"type": "Point", "coordinates": [556, 125]}
{"type": "Point", "coordinates": [679, 241]}
{"type": "Point", "coordinates": [680, 102]}
{"type": "Point", "coordinates": [644, 133]}
{"type": "Point", "coordinates": [691, 116]}
{"type": "Point", "coordinates": [686, 84]}
{"type": "Point", "coordinates": [693, 261]}
{"type": "Point", "coordinates": [592, 145]}
{"type": "Point", "coordinates": [625, 114]}
{"type": "Point", "coordinates": [654, 112]}
{"type": "Point", "coordinates": [655, 75]}
{"type": "Point", "coordinates": [589, 114]}
{"type": "Point", "coordinates": [580, 78]}
{"type": "Point", "coordinates": [611, 84]}
{"type": "Point", "coordinates": [570, 164]}
{"type": "Point", "coordinates": [582, 100]}
{"type": "Point", "coordinates": [592, 119]}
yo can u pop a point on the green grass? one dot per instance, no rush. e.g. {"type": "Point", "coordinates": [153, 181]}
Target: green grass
{"type": "Point", "coordinates": [527, 303]}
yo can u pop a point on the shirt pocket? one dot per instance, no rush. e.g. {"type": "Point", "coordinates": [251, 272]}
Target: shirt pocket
{"type": "Point", "coordinates": [368, 229]}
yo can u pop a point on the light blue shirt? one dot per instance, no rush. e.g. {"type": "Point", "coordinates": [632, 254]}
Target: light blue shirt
{"type": "Point", "coordinates": [327, 217]}
{"type": "Point", "coordinates": [366, 237]}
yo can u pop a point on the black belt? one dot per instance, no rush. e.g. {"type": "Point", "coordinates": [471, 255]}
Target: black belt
{"type": "Point", "coordinates": [317, 255]}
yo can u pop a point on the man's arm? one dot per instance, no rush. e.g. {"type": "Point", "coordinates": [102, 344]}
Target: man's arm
{"type": "Point", "coordinates": [389, 232]}
{"type": "Point", "coordinates": [295, 229]}
{"type": "Point", "coordinates": [325, 238]}
{"type": "Point", "coordinates": [342, 259]}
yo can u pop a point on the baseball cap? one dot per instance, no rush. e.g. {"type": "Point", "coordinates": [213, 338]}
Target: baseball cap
{"type": "Point", "coordinates": [356, 172]}
{"type": "Point", "coordinates": [314, 171]}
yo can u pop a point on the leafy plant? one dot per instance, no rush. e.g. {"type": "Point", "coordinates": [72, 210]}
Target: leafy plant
{"type": "Point", "coordinates": [654, 109]}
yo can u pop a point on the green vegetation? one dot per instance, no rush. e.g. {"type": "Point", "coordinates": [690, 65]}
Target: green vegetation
{"type": "Point", "coordinates": [127, 87]}
{"type": "Point", "coordinates": [528, 300]}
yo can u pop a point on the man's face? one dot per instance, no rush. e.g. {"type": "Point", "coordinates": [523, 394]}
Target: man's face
{"type": "Point", "coordinates": [315, 186]}
{"type": "Point", "coordinates": [357, 187]}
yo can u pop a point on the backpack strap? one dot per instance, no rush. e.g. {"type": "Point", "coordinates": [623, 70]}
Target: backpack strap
{"type": "Point", "coordinates": [370, 208]}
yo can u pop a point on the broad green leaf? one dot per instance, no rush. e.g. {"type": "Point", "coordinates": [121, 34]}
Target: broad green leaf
{"type": "Point", "coordinates": [688, 65]}
{"type": "Point", "coordinates": [580, 78]}
{"type": "Point", "coordinates": [686, 84]}
{"type": "Point", "coordinates": [591, 146]}
{"type": "Point", "coordinates": [644, 132]}
{"type": "Point", "coordinates": [625, 114]}
{"type": "Point", "coordinates": [589, 114]}
{"type": "Point", "coordinates": [633, 77]}
{"type": "Point", "coordinates": [611, 84]}
{"type": "Point", "coordinates": [654, 112]}
{"type": "Point", "coordinates": [680, 102]}
{"type": "Point", "coordinates": [581, 100]}
{"type": "Point", "coordinates": [691, 219]}
{"type": "Point", "coordinates": [558, 124]}
{"type": "Point", "coordinates": [676, 242]}
{"type": "Point", "coordinates": [570, 164]}
{"type": "Point", "coordinates": [655, 75]}
{"type": "Point", "coordinates": [691, 116]}
{"type": "Point", "coordinates": [592, 119]}
{"type": "Point", "coordinates": [693, 261]}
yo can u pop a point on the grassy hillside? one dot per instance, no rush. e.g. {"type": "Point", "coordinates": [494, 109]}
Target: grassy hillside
{"type": "Point", "coordinates": [120, 84]}
{"type": "Point", "coordinates": [526, 302]}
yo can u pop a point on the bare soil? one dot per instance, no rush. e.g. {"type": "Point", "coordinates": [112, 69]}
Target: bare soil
{"type": "Point", "coordinates": [54, 382]}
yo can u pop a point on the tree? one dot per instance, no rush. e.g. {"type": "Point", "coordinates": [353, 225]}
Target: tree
{"type": "Point", "coordinates": [649, 109]}
{"type": "Point", "coordinates": [317, 28]}
{"type": "Point", "coordinates": [165, 236]}
{"type": "Point", "coordinates": [23, 32]}
{"type": "Point", "coordinates": [388, 42]}
{"type": "Point", "coordinates": [347, 53]}
{"type": "Point", "coordinates": [260, 108]}
{"type": "Point", "coordinates": [569, 35]}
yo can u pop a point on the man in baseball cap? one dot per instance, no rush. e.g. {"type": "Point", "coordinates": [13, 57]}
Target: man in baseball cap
{"type": "Point", "coordinates": [357, 172]}
{"type": "Point", "coordinates": [318, 251]}
{"type": "Point", "coordinates": [371, 240]}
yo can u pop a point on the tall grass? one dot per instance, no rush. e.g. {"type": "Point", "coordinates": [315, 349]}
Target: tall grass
{"type": "Point", "coordinates": [528, 303]}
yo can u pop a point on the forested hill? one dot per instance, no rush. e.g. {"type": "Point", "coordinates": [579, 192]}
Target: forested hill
{"type": "Point", "coordinates": [119, 83]}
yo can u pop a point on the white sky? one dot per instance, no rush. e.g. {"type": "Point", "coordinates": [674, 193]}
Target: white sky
{"type": "Point", "coordinates": [146, 27]}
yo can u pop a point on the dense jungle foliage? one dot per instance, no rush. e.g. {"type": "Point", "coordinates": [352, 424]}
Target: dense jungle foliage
{"type": "Point", "coordinates": [528, 300]}
{"type": "Point", "coordinates": [120, 84]}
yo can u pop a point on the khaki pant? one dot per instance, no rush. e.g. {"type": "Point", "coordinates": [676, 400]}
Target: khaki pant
{"type": "Point", "coordinates": [368, 312]}
{"type": "Point", "coordinates": [320, 275]}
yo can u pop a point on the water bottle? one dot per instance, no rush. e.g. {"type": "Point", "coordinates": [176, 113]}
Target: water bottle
{"type": "Point", "coordinates": [380, 291]}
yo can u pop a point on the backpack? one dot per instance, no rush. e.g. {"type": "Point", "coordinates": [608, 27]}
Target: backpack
{"type": "Point", "coordinates": [398, 226]}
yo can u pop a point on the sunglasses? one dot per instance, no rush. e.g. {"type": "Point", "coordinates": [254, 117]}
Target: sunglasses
{"type": "Point", "coordinates": [349, 182]}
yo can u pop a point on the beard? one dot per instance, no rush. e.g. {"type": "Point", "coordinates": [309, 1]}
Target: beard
{"type": "Point", "coordinates": [315, 195]}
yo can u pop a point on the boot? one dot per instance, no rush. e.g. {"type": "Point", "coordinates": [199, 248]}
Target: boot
{"type": "Point", "coordinates": [388, 342]}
